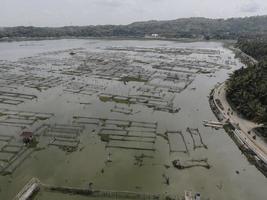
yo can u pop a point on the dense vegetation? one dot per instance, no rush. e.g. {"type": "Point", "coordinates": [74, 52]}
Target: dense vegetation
{"type": "Point", "coordinates": [247, 91]}
{"type": "Point", "coordinates": [254, 45]}
{"type": "Point", "coordinates": [188, 28]}
{"type": "Point", "coordinates": [247, 87]}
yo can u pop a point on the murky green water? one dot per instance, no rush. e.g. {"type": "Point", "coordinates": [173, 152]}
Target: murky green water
{"type": "Point", "coordinates": [88, 164]}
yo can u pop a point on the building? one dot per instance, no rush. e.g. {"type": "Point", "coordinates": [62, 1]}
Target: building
{"type": "Point", "coordinates": [154, 35]}
{"type": "Point", "coordinates": [27, 137]}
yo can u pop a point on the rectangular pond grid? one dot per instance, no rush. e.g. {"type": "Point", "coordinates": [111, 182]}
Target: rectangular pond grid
{"type": "Point", "coordinates": [13, 98]}
{"type": "Point", "coordinates": [196, 138]}
{"type": "Point", "coordinates": [12, 154]}
{"type": "Point", "coordinates": [124, 134]}
{"type": "Point", "coordinates": [64, 136]}
{"type": "Point", "coordinates": [32, 81]}
{"type": "Point", "coordinates": [83, 88]}
{"type": "Point", "coordinates": [18, 118]}
{"type": "Point", "coordinates": [155, 102]}
{"type": "Point", "coordinates": [123, 110]}
{"type": "Point", "coordinates": [177, 141]}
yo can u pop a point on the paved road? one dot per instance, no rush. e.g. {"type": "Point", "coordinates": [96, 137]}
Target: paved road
{"type": "Point", "coordinates": [257, 145]}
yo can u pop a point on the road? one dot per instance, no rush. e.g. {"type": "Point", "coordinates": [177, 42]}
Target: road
{"type": "Point", "coordinates": [246, 132]}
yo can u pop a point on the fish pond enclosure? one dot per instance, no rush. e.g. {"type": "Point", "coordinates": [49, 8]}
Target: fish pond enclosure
{"type": "Point", "coordinates": [117, 119]}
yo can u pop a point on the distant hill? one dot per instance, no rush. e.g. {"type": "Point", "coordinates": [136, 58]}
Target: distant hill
{"type": "Point", "coordinates": [181, 28]}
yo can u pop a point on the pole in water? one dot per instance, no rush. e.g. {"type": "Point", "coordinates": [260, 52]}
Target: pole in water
{"type": "Point", "coordinates": [109, 159]}
{"type": "Point", "coordinates": [90, 186]}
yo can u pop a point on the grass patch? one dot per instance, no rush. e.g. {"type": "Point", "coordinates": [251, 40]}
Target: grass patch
{"type": "Point", "coordinates": [105, 99]}
{"type": "Point", "coordinates": [133, 79]}
{"type": "Point", "coordinates": [38, 88]}
{"type": "Point", "coordinates": [2, 114]}
{"type": "Point", "coordinates": [104, 138]}
{"type": "Point", "coordinates": [42, 118]}
{"type": "Point", "coordinates": [116, 100]}
{"type": "Point", "coordinates": [122, 101]}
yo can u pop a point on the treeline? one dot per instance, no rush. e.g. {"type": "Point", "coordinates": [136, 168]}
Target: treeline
{"type": "Point", "coordinates": [247, 87]}
{"type": "Point", "coordinates": [254, 45]}
{"type": "Point", "coordinates": [181, 28]}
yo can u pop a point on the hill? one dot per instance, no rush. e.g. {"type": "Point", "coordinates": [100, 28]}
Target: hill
{"type": "Point", "coordinates": [186, 27]}
{"type": "Point", "coordinates": [247, 87]}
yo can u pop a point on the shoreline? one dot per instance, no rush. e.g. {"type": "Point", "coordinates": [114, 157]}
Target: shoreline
{"type": "Point", "coordinates": [255, 151]}
{"type": "Point", "coordinates": [185, 40]}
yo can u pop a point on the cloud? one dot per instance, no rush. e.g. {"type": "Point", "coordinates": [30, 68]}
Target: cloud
{"type": "Point", "coordinates": [250, 7]}
{"type": "Point", "coordinates": [110, 3]}
{"type": "Point", "coordinates": [93, 12]}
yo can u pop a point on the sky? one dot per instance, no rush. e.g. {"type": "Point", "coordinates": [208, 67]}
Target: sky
{"type": "Point", "coordinates": [94, 12]}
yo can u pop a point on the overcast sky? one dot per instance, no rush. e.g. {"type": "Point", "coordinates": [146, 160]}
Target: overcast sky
{"type": "Point", "coordinates": [92, 12]}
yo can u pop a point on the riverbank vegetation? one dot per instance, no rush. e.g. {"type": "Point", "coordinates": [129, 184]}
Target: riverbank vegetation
{"type": "Point", "coordinates": [247, 87]}
{"type": "Point", "coordinates": [254, 45]}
